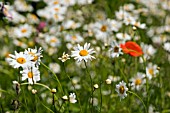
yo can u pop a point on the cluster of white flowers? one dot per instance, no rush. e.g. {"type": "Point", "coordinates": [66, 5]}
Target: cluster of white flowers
{"type": "Point", "coordinates": [29, 61]}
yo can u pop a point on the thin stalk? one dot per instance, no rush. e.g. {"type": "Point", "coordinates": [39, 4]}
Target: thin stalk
{"type": "Point", "coordinates": [139, 99]}
{"type": "Point", "coordinates": [91, 85]}
{"type": "Point", "coordinates": [100, 96]}
{"type": "Point", "coordinates": [147, 85]}
{"type": "Point", "coordinates": [45, 106]}
{"type": "Point", "coordinates": [55, 77]}
{"type": "Point", "coordinates": [73, 87]}
{"type": "Point", "coordinates": [39, 84]}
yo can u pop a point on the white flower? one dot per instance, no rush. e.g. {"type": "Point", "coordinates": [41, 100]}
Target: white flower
{"type": "Point", "coordinates": [23, 31]}
{"type": "Point", "coordinates": [54, 67]}
{"type": "Point", "coordinates": [138, 81]}
{"type": "Point", "coordinates": [20, 60]}
{"type": "Point", "coordinates": [151, 70]}
{"type": "Point", "coordinates": [83, 53]}
{"type": "Point", "coordinates": [121, 89]}
{"type": "Point", "coordinates": [72, 98]}
{"type": "Point", "coordinates": [74, 38]}
{"type": "Point", "coordinates": [123, 36]}
{"type": "Point", "coordinates": [36, 54]}
{"type": "Point", "coordinates": [52, 40]}
{"type": "Point", "coordinates": [102, 30]}
{"type": "Point", "coordinates": [31, 73]}
{"type": "Point", "coordinates": [115, 50]}
{"type": "Point", "coordinates": [64, 57]}
{"type": "Point", "coordinates": [139, 25]}
{"type": "Point", "coordinates": [166, 46]}
{"type": "Point", "coordinates": [114, 25]}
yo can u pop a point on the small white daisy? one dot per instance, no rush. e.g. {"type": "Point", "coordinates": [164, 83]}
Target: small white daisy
{"type": "Point", "coordinates": [151, 70]}
{"type": "Point", "coordinates": [23, 31]}
{"type": "Point", "coordinates": [72, 98]}
{"type": "Point", "coordinates": [138, 81]}
{"type": "Point", "coordinates": [83, 53]}
{"type": "Point", "coordinates": [20, 60]}
{"type": "Point", "coordinates": [32, 73]}
{"type": "Point", "coordinates": [166, 46]}
{"type": "Point", "coordinates": [36, 54]}
{"type": "Point", "coordinates": [121, 89]}
{"type": "Point", "coordinates": [123, 36]}
{"type": "Point", "coordinates": [115, 50]}
{"type": "Point", "coordinates": [64, 57]}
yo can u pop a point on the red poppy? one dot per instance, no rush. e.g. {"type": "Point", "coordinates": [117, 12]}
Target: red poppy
{"type": "Point", "coordinates": [132, 49]}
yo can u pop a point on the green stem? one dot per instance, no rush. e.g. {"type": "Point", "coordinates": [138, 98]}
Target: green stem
{"type": "Point", "coordinates": [55, 76]}
{"type": "Point", "coordinates": [45, 106]}
{"type": "Point", "coordinates": [73, 87]}
{"type": "Point", "coordinates": [91, 86]}
{"type": "Point", "coordinates": [39, 84]}
{"type": "Point", "coordinates": [147, 85]}
{"type": "Point", "coordinates": [139, 99]}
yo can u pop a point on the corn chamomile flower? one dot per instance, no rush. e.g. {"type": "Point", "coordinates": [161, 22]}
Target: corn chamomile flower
{"type": "Point", "coordinates": [138, 81]}
{"type": "Point", "coordinates": [31, 73]}
{"type": "Point", "coordinates": [20, 60]}
{"type": "Point", "coordinates": [121, 89]}
{"type": "Point", "coordinates": [72, 98]}
{"type": "Point", "coordinates": [64, 57]}
{"type": "Point", "coordinates": [36, 54]}
{"type": "Point", "coordinates": [23, 31]}
{"type": "Point", "coordinates": [115, 50]}
{"type": "Point", "coordinates": [151, 70]}
{"type": "Point", "coordinates": [83, 53]}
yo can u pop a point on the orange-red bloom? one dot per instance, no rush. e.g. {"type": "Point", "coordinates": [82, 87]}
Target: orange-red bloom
{"type": "Point", "coordinates": [132, 49]}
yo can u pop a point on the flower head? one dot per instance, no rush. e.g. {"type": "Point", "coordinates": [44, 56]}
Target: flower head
{"type": "Point", "coordinates": [138, 81]}
{"type": "Point", "coordinates": [72, 98]}
{"type": "Point", "coordinates": [83, 53]}
{"type": "Point", "coordinates": [32, 73]}
{"type": "Point", "coordinates": [132, 49]}
{"type": "Point", "coordinates": [36, 54]}
{"type": "Point", "coordinates": [115, 50]}
{"type": "Point", "coordinates": [151, 70]}
{"type": "Point", "coordinates": [64, 57]}
{"type": "Point", "coordinates": [20, 60]}
{"type": "Point", "coordinates": [121, 89]}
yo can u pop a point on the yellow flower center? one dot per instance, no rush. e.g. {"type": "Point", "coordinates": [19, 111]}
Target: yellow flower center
{"type": "Point", "coordinates": [150, 71]}
{"type": "Point", "coordinates": [74, 37]}
{"type": "Point", "coordinates": [35, 57]}
{"type": "Point", "coordinates": [53, 40]}
{"type": "Point", "coordinates": [56, 9]}
{"type": "Point", "coordinates": [34, 17]}
{"type": "Point", "coordinates": [21, 60]}
{"type": "Point", "coordinates": [138, 82]}
{"type": "Point", "coordinates": [83, 53]}
{"type": "Point", "coordinates": [30, 74]}
{"type": "Point", "coordinates": [24, 30]}
{"type": "Point", "coordinates": [55, 16]}
{"type": "Point", "coordinates": [55, 2]}
{"type": "Point", "coordinates": [121, 89]}
{"type": "Point", "coordinates": [103, 28]}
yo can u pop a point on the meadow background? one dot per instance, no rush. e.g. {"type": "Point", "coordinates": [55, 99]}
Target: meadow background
{"type": "Point", "coordinates": [78, 20]}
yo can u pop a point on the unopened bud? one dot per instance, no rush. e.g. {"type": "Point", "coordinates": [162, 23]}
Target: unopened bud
{"type": "Point", "coordinates": [65, 98]}
{"type": "Point", "coordinates": [34, 91]}
{"type": "Point", "coordinates": [53, 90]}
{"type": "Point", "coordinates": [134, 28]}
{"type": "Point", "coordinates": [108, 81]}
{"type": "Point", "coordinates": [96, 86]}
